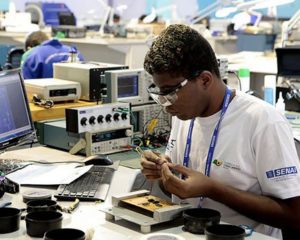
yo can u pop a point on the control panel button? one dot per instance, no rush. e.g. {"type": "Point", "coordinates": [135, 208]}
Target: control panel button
{"type": "Point", "coordinates": [128, 133]}
{"type": "Point", "coordinates": [100, 119]}
{"type": "Point", "coordinates": [124, 116]}
{"type": "Point", "coordinates": [92, 120]}
{"type": "Point", "coordinates": [116, 116]}
{"type": "Point", "coordinates": [83, 121]}
{"type": "Point", "coordinates": [108, 118]}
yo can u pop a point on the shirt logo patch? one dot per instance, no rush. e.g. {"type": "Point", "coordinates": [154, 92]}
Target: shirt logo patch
{"type": "Point", "coordinates": [171, 144]}
{"type": "Point", "coordinates": [282, 172]}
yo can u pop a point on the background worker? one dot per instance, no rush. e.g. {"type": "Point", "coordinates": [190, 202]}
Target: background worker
{"type": "Point", "coordinates": [41, 53]}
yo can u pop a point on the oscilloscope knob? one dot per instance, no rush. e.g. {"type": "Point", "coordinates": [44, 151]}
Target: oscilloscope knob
{"type": "Point", "coordinates": [116, 116]}
{"type": "Point", "coordinates": [100, 119]}
{"type": "Point", "coordinates": [83, 121]}
{"type": "Point", "coordinates": [92, 120]}
{"type": "Point", "coordinates": [108, 118]}
{"type": "Point", "coordinates": [124, 116]}
{"type": "Point", "coordinates": [128, 133]}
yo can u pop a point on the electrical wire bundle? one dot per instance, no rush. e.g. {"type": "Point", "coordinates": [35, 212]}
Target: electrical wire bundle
{"type": "Point", "coordinates": [153, 136]}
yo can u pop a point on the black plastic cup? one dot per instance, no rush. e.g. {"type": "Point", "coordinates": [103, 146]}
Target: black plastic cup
{"type": "Point", "coordinates": [65, 234]}
{"type": "Point", "coordinates": [224, 232]}
{"type": "Point", "coordinates": [41, 205]}
{"type": "Point", "coordinates": [9, 219]}
{"type": "Point", "coordinates": [37, 223]}
{"type": "Point", "coordinates": [195, 220]}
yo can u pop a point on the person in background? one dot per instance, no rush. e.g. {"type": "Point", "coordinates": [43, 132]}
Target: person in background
{"type": "Point", "coordinates": [41, 53]}
{"type": "Point", "coordinates": [227, 150]}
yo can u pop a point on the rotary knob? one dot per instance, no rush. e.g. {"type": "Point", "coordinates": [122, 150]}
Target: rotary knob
{"type": "Point", "coordinates": [128, 133]}
{"type": "Point", "coordinates": [100, 119]}
{"type": "Point", "coordinates": [92, 120]}
{"type": "Point", "coordinates": [83, 121]}
{"type": "Point", "coordinates": [124, 116]}
{"type": "Point", "coordinates": [116, 116]}
{"type": "Point", "coordinates": [108, 118]}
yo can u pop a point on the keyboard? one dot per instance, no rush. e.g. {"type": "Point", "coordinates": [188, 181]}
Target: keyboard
{"type": "Point", "coordinates": [91, 186]}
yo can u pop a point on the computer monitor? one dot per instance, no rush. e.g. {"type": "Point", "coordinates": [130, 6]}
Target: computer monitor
{"type": "Point", "coordinates": [288, 62]}
{"type": "Point", "coordinates": [16, 126]}
{"type": "Point", "coordinates": [255, 18]}
{"type": "Point", "coordinates": [66, 18]}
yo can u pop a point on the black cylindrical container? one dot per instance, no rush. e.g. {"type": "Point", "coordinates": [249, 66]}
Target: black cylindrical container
{"type": "Point", "coordinates": [37, 223]}
{"type": "Point", "coordinates": [41, 205]}
{"type": "Point", "coordinates": [9, 219]}
{"type": "Point", "coordinates": [197, 219]}
{"type": "Point", "coordinates": [224, 232]}
{"type": "Point", "coordinates": [65, 234]}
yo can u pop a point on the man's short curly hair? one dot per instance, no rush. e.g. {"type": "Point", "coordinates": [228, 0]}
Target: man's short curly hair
{"type": "Point", "coordinates": [180, 51]}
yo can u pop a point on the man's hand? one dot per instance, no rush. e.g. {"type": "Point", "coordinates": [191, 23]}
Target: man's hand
{"type": "Point", "coordinates": [194, 184]}
{"type": "Point", "coordinates": [151, 164]}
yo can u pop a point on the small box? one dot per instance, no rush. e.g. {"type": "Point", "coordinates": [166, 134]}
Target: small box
{"type": "Point", "coordinates": [53, 89]}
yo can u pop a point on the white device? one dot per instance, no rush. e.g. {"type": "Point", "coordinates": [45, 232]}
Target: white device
{"type": "Point", "coordinates": [91, 76]}
{"type": "Point", "coordinates": [105, 141]}
{"type": "Point", "coordinates": [53, 89]}
{"type": "Point", "coordinates": [134, 207]}
{"type": "Point", "coordinates": [128, 85]}
{"type": "Point", "coordinates": [98, 118]}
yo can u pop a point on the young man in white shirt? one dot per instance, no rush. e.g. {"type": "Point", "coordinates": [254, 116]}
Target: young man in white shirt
{"type": "Point", "coordinates": [233, 152]}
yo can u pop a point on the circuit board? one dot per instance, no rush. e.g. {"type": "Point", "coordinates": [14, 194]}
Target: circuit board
{"type": "Point", "coordinates": [149, 202]}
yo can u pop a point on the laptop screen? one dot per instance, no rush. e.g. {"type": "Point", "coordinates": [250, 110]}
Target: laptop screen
{"type": "Point", "coordinates": [16, 125]}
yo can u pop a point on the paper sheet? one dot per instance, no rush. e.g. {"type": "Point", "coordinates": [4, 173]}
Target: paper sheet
{"type": "Point", "coordinates": [48, 174]}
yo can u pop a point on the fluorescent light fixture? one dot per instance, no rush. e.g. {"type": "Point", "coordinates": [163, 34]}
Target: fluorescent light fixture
{"type": "Point", "coordinates": [260, 4]}
{"type": "Point", "coordinates": [107, 16]}
{"type": "Point", "coordinates": [154, 12]}
{"type": "Point", "coordinates": [224, 12]}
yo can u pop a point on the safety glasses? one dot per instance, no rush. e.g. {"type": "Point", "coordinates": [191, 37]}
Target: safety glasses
{"type": "Point", "coordinates": [165, 98]}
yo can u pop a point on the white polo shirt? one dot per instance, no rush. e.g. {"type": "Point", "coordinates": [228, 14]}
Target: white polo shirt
{"type": "Point", "coordinates": [255, 152]}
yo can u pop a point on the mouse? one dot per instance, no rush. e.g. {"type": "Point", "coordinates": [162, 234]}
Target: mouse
{"type": "Point", "coordinates": [98, 160]}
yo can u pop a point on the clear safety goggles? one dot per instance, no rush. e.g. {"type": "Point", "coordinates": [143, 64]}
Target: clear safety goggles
{"type": "Point", "coordinates": [165, 98]}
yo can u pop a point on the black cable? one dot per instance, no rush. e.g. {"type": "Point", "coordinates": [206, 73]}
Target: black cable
{"type": "Point", "coordinates": [46, 103]}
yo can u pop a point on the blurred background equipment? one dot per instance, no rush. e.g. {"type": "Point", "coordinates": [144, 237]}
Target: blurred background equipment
{"type": "Point", "coordinates": [288, 74]}
{"type": "Point", "coordinates": [290, 34]}
{"type": "Point", "coordinates": [50, 14]}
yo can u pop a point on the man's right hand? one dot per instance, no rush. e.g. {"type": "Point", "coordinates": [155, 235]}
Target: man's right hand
{"type": "Point", "coordinates": [151, 164]}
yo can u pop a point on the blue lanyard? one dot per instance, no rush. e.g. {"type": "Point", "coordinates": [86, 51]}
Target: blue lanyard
{"type": "Point", "coordinates": [213, 140]}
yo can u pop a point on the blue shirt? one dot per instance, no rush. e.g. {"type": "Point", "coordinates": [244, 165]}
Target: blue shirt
{"type": "Point", "coordinates": [39, 62]}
